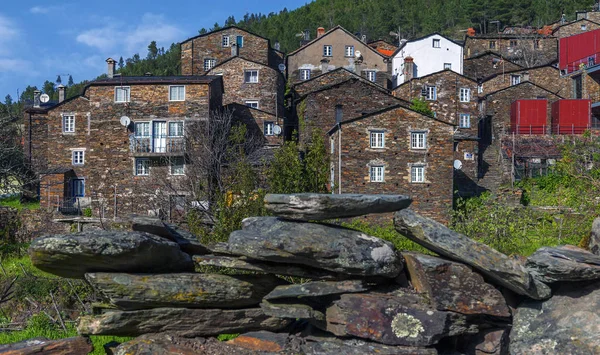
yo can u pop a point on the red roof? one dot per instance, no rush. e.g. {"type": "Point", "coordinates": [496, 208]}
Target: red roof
{"type": "Point", "coordinates": [385, 52]}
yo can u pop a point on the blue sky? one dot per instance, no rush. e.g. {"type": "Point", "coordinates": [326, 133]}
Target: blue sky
{"type": "Point", "coordinates": [40, 40]}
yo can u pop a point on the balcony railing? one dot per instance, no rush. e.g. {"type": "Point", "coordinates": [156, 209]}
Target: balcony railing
{"type": "Point", "coordinates": [558, 129]}
{"type": "Point", "coordinates": [157, 145]}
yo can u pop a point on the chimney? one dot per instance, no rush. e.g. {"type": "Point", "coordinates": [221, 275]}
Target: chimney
{"type": "Point", "coordinates": [526, 76]}
{"type": "Point", "coordinates": [320, 31]}
{"type": "Point", "coordinates": [409, 68]}
{"type": "Point", "coordinates": [111, 67]}
{"type": "Point", "coordinates": [277, 46]}
{"type": "Point", "coordinates": [471, 32]}
{"type": "Point", "coordinates": [234, 50]}
{"type": "Point", "coordinates": [307, 35]}
{"type": "Point", "coordinates": [36, 98]}
{"type": "Point", "coordinates": [61, 93]}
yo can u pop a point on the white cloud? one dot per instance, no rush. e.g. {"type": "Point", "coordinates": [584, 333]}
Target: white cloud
{"type": "Point", "coordinates": [39, 10]}
{"type": "Point", "coordinates": [131, 38]}
{"type": "Point", "coordinates": [14, 65]}
{"type": "Point", "coordinates": [8, 30]}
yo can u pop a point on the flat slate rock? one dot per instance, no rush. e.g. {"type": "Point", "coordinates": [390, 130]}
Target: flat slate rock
{"type": "Point", "coordinates": [74, 255]}
{"type": "Point", "coordinates": [162, 344]}
{"type": "Point", "coordinates": [393, 320]}
{"type": "Point", "coordinates": [563, 263]}
{"type": "Point", "coordinates": [291, 311]}
{"type": "Point", "coordinates": [452, 286]}
{"type": "Point", "coordinates": [35, 346]}
{"type": "Point", "coordinates": [318, 207]}
{"type": "Point", "coordinates": [498, 267]}
{"type": "Point", "coordinates": [182, 322]}
{"type": "Point", "coordinates": [490, 341]}
{"type": "Point", "coordinates": [567, 323]}
{"type": "Point", "coordinates": [317, 288]}
{"type": "Point", "coordinates": [191, 290]}
{"type": "Point", "coordinates": [243, 263]}
{"type": "Point", "coordinates": [153, 225]}
{"type": "Point", "coordinates": [333, 248]}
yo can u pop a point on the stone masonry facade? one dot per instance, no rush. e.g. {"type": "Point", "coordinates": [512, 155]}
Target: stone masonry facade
{"type": "Point", "coordinates": [252, 83]}
{"type": "Point", "coordinates": [575, 27]}
{"type": "Point", "coordinates": [487, 64]}
{"type": "Point", "coordinates": [546, 76]}
{"type": "Point", "coordinates": [525, 50]}
{"type": "Point", "coordinates": [393, 166]}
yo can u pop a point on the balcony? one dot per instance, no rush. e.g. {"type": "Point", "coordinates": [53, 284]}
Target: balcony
{"type": "Point", "coordinates": [157, 146]}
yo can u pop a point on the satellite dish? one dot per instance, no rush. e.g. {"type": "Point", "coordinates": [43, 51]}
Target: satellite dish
{"type": "Point", "coordinates": [44, 98]}
{"type": "Point", "coordinates": [457, 164]}
{"type": "Point", "coordinates": [125, 121]}
{"type": "Point", "coordinates": [277, 130]}
{"type": "Point", "coordinates": [281, 67]}
{"type": "Point", "coordinates": [357, 54]}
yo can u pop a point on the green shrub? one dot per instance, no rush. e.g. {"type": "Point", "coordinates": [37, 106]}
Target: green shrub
{"type": "Point", "coordinates": [87, 212]}
{"type": "Point", "coordinates": [389, 233]}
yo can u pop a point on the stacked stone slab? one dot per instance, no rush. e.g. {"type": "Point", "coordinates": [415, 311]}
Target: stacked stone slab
{"type": "Point", "coordinates": [350, 292]}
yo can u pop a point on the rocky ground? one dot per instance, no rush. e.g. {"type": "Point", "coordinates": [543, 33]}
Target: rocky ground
{"type": "Point", "coordinates": [359, 295]}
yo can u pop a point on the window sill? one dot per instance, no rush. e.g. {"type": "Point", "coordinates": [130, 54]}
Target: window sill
{"type": "Point", "coordinates": [177, 100]}
{"type": "Point", "coordinates": [68, 133]}
{"type": "Point", "coordinates": [122, 102]}
{"type": "Point", "coordinates": [377, 181]}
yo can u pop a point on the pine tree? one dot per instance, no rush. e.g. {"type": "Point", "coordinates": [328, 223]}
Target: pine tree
{"type": "Point", "coordinates": [70, 83]}
{"type": "Point", "coordinates": [58, 80]}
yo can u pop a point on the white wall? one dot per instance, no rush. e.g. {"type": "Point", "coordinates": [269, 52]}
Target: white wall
{"type": "Point", "coordinates": [428, 59]}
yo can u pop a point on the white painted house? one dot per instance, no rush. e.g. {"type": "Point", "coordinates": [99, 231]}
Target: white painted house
{"type": "Point", "coordinates": [429, 54]}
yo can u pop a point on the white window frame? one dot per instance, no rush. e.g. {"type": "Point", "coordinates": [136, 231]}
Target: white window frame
{"type": "Point", "coordinates": [447, 66]}
{"type": "Point", "coordinates": [305, 74]}
{"type": "Point", "coordinates": [349, 51]}
{"type": "Point", "coordinates": [142, 172]}
{"type": "Point", "coordinates": [431, 93]}
{"type": "Point", "coordinates": [209, 63]}
{"type": "Point", "coordinates": [417, 174]}
{"type": "Point", "coordinates": [418, 140]}
{"type": "Point", "coordinates": [492, 45]}
{"type": "Point", "coordinates": [68, 123]}
{"type": "Point", "coordinates": [377, 173]}
{"type": "Point", "coordinates": [371, 75]}
{"type": "Point", "coordinates": [78, 157]}
{"type": "Point", "coordinates": [252, 103]}
{"type": "Point", "coordinates": [515, 80]}
{"type": "Point", "coordinates": [327, 50]}
{"type": "Point", "coordinates": [241, 45]}
{"type": "Point", "coordinates": [436, 43]}
{"type": "Point", "coordinates": [465, 95]}
{"type": "Point", "coordinates": [269, 128]}
{"type": "Point", "coordinates": [377, 139]}
{"type": "Point", "coordinates": [172, 165]}
{"type": "Point", "coordinates": [179, 134]}
{"type": "Point", "coordinates": [171, 87]}
{"type": "Point", "coordinates": [480, 89]}
{"type": "Point", "coordinates": [127, 89]}
{"type": "Point", "coordinates": [248, 79]}
{"type": "Point", "coordinates": [464, 120]}
{"type": "Point", "coordinates": [136, 132]}
{"type": "Point", "coordinates": [73, 192]}
{"type": "Point", "coordinates": [225, 41]}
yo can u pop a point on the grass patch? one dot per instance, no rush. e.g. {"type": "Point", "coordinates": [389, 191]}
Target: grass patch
{"type": "Point", "coordinates": [15, 202]}
{"type": "Point", "coordinates": [226, 337]}
{"type": "Point", "coordinates": [389, 233]}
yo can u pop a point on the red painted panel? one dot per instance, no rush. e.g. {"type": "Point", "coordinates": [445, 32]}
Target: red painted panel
{"type": "Point", "coordinates": [529, 117]}
{"type": "Point", "coordinates": [576, 49]}
{"type": "Point", "coordinates": [571, 116]}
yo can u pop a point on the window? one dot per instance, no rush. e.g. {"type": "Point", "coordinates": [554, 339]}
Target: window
{"type": "Point", "coordinates": [417, 174]}
{"type": "Point", "coordinates": [304, 74]}
{"type": "Point", "coordinates": [515, 79]}
{"type": "Point", "coordinates": [225, 41]}
{"type": "Point", "coordinates": [371, 75]}
{"type": "Point", "coordinates": [78, 157]}
{"type": "Point", "coordinates": [492, 44]}
{"type": "Point", "coordinates": [431, 93]}
{"type": "Point", "coordinates": [122, 94]}
{"type": "Point", "coordinates": [68, 124]}
{"type": "Point", "coordinates": [177, 93]}
{"type": "Point", "coordinates": [536, 43]}
{"type": "Point", "coordinates": [251, 76]}
{"type": "Point", "coordinates": [239, 41]}
{"type": "Point", "coordinates": [377, 139]}
{"type": "Point", "coordinates": [78, 186]}
{"type": "Point", "coordinates": [480, 89]}
{"type": "Point", "coordinates": [269, 128]}
{"type": "Point", "coordinates": [436, 43]}
{"type": "Point", "coordinates": [142, 129]}
{"type": "Point", "coordinates": [339, 113]}
{"type": "Point", "coordinates": [252, 103]}
{"type": "Point", "coordinates": [142, 166]}
{"type": "Point", "coordinates": [464, 120]}
{"type": "Point", "coordinates": [577, 87]}
{"type": "Point", "coordinates": [465, 95]}
{"type": "Point", "coordinates": [376, 173]}
{"type": "Point", "coordinates": [583, 27]}
{"type": "Point", "coordinates": [176, 129]}
{"type": "Point", "coordinates": [349, 51]}
{"type": "Point", "coordinates": [177, 166]}
{"type": "Point", "coordinates": [327, 51]}
{"type": "Point", "coordinates": [418, 140]}
{"type": "Point", "coordinates": [447, 65]}
{"type": "Point", "coordinates": [209, 64]}
{"type": "Point", "coordinates": [591, 61]}
{"type": "Point", "coordinates": [513, 43]}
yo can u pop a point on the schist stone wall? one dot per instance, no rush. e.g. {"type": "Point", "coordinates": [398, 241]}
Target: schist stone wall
{"type": "Point", "coordinates": [350, 98]}
{"type": "Point", "coordinates": [256, 121]}
{"type": "Point", "coordinates": [213, 47]}
{"type": "Point", "coordinates": [488, 64]}
{"type": "Point", "coordinates": [108, 166]}
{"type": "Point", "coordinates": [547, 77]}
{"type": "Point", "coordinates": [526, 50]}
{"type": "Point", "coordinates": [433, 195]}
{"type": "Point", "coordinates": [238, 78]}
{"type": "Point", "coordinates": [575, 28]}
